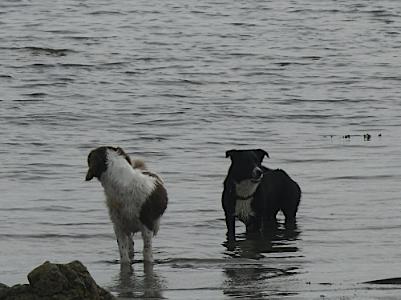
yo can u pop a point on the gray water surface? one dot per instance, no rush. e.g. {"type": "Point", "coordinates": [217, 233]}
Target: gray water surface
{"type": "Point", "coordinates": [178, 83]}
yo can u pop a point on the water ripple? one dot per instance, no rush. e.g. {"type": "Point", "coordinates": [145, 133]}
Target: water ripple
{"type": "Point", "coordinates": [179, 84]}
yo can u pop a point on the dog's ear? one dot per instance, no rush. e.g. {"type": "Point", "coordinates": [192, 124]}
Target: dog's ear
{"type": "Point", "coordinates": [230, 153]}
{"type": "Point", "coordinates": [92, 166]}
{"type": "Point", "coordinates": [121, 152]}
{"type": "Point", "coordinates": [89, 175]}
{"type": "Point", "coordinates": [261, 154]}
{"type": "Point", "coordinates": [96, 163]}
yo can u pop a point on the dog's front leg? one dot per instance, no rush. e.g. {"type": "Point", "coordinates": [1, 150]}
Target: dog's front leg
{"type": "Point", "coordinates": [123, 241]}
{"type": "Point", "coordinates": [254, 224]}
{"type": "Point", "coordinates": [230, 222]}
{"type": "Point", "coordinates": [147, 244]}
{"type": "Point", "coordinates": [228, 203]}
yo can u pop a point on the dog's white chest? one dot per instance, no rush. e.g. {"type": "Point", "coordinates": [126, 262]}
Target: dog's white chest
{"type": "Point", "coordinates": [243, 209]}
{"type": "Point", "coordinates": [246, 188]}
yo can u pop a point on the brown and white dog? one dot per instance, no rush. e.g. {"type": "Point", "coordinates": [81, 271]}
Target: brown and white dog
{"type": "Point", "coordinates": [135, 197]}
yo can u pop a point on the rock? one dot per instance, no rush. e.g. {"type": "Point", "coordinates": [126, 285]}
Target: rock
{"type": "Point", "coordinates": [18, 292]}
{"type": "Point", "coordinates": [50, 281]}
{"type": "Point", "coordinates": [394, 280]}
{"type": "Point", "coordinates": [3, 286]}
{"type": "Point", "coordinates": [3, 289]}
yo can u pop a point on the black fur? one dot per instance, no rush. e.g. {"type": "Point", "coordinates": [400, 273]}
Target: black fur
{"type": "Point", "coordinates": [276, 191]}
{"type": "Point", "coordinates": [97, 161]}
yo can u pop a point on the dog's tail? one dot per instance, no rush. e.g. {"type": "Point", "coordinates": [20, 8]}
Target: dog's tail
{"type": "Point", "coordinates": [138, 164]}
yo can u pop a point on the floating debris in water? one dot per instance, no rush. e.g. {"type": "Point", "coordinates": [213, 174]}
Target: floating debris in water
{"type": "Point", "coordinates": [366, 137]}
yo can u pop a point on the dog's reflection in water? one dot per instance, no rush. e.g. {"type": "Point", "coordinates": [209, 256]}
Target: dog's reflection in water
{"type": "Point", "coordinates": [136, 284]}
{"type": "Point", "coordinates": [280, 240]}
{"type": "Point", "coordinates": [250, 274]}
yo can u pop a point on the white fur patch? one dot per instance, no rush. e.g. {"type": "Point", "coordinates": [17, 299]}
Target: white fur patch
{"type": "Point", "coordinates": [126, 189]}
{"type": "Point", "coordinates": [243, 209]}
{"type": "Point", "coordinates": [246, 188]}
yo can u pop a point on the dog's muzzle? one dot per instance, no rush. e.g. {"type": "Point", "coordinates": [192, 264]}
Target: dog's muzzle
{"type": "Point", "coordinates": [257, 175]}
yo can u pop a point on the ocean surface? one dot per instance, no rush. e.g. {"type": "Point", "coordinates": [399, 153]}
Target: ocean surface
{"type": "Point", "coordinates": [177, 83]}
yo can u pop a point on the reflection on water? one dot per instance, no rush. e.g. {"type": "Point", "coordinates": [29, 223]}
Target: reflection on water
{"type": "Point", "coordinates": [253, 282]}
{"type": "Point", "coordinates": [252, 279]}
{"type": "Point", "coordinates": [132, 283]}
{"type": "Point", "coordinates": [279, 240]}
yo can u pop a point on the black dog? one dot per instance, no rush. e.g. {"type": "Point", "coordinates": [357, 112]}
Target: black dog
{"type": "Point", "coordinates": [255, 194]}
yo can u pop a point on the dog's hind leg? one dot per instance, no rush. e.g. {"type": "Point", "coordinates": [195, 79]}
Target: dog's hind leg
{"type": "Point", "coordinates": [290, 203]}
{"type": "Point", "coordinates": [147, 244]}
{"type": "Point", "coordinates": [289, 209]}
{"type": "Point", "coordinates": [123, 241]}
{"type": "Point", "coordinates": [290, 219]}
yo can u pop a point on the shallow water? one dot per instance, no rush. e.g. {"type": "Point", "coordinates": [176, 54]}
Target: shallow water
{"type": "Point", "coordinates": [178, 83]}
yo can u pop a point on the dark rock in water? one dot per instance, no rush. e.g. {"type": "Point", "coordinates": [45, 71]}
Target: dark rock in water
{"type": "Point", "coordinates": [18, 292]}
{"type": "Point", "coordinates": [49, 281]}
{"type": "Point", "coordinates": [394, 280]}
{"type": "Point", "coordinates": [3, 289]}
